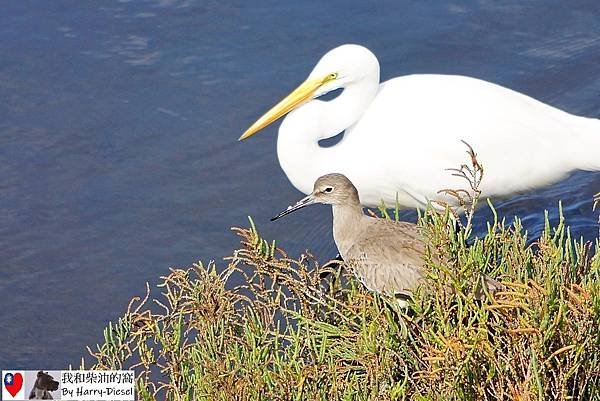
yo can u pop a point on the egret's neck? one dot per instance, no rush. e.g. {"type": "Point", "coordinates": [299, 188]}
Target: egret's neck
{"type": "Point", "coordinates": [346, 109]}
{"type": "Point", "coordinates": [300, 155]}
{"type": "Point", "coordinates": [346, 224]}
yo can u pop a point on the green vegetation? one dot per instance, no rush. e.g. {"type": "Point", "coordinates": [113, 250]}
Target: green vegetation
{"type": "Point", "coordinates": [288, 334]}
{"type": "Point", "coordinates": [298, 330]}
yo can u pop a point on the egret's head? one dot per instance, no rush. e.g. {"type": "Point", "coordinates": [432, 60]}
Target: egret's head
{"type": "Point", "coordinates": [338, 68]}
{"type": "Point", "coordinates": [330, 189]}
{"type": "Point", "coordinates": [342, 66]}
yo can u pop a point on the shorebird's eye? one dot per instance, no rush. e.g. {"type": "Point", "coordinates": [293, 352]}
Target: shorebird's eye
{"type": "Point", "coordinates": [328, 190]}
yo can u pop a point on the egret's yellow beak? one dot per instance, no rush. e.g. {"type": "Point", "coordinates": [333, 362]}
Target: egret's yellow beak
{"type": "Point", "coordinates": [300, 95]}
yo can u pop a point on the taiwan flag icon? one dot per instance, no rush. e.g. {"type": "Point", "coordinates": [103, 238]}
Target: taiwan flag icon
{"type": "Point", "coordinates": [13, 387]}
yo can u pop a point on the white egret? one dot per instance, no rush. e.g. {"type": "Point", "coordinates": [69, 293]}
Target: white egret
{"type": "Point", "coordinates": [402, 135]}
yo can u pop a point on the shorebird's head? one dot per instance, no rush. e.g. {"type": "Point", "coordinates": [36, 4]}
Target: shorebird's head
{"type": "Point", "coordinates": [329, 189]}
{"type": "Point", "coordinates": [334, 189]}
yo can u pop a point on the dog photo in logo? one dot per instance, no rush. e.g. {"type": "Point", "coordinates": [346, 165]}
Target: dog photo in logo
{"type": "Point", "coordinates": [12, 385]}
{"type": "Point", "coordinates": [43, 384]}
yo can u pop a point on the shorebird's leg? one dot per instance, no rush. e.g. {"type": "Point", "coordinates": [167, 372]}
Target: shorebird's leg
{"type": "Point", "coordinates": [331, 273]}
{"type": "Point", "coordinates": [335, 264]}
{"type": "Point", "coordinates": [402, 298]}
{"type": "Point", "coordinates": [398, 305]}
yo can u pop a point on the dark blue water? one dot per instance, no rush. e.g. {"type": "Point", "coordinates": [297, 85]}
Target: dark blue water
{"type": "Point", "coordinates": [119, 123]}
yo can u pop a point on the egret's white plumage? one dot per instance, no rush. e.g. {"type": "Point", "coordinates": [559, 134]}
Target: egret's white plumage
{"type": "Point", "coordinates": [401, 136]}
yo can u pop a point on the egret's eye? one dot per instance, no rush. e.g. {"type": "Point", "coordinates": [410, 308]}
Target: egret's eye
{"type": "Point", "coordinates": [333, 75]}
{"type": "Point", "coordinates": [328, 189]}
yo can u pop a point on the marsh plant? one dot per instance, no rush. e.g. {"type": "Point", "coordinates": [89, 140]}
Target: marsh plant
{"type": "Point", "coordinates": [295, 329]}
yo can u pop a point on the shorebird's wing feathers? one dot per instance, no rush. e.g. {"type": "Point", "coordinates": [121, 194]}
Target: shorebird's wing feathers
{"type": "Point", "coordinates": [386, 265]}
{"type": "Point", "coordinates": [384, 237]}
{"type": "Point", "coordinates": [390, 258]}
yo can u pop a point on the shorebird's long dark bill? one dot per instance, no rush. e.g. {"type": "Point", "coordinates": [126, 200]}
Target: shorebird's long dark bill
{"type": "Point", "coordinates": [299, 205]}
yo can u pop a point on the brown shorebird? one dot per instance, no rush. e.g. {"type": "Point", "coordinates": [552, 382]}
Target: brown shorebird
{"type": "Point", "coordinates": [386, 256]}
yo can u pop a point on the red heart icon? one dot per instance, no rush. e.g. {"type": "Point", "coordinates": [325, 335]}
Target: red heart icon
{"type": "Point", "coordinates": [16, 385]}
